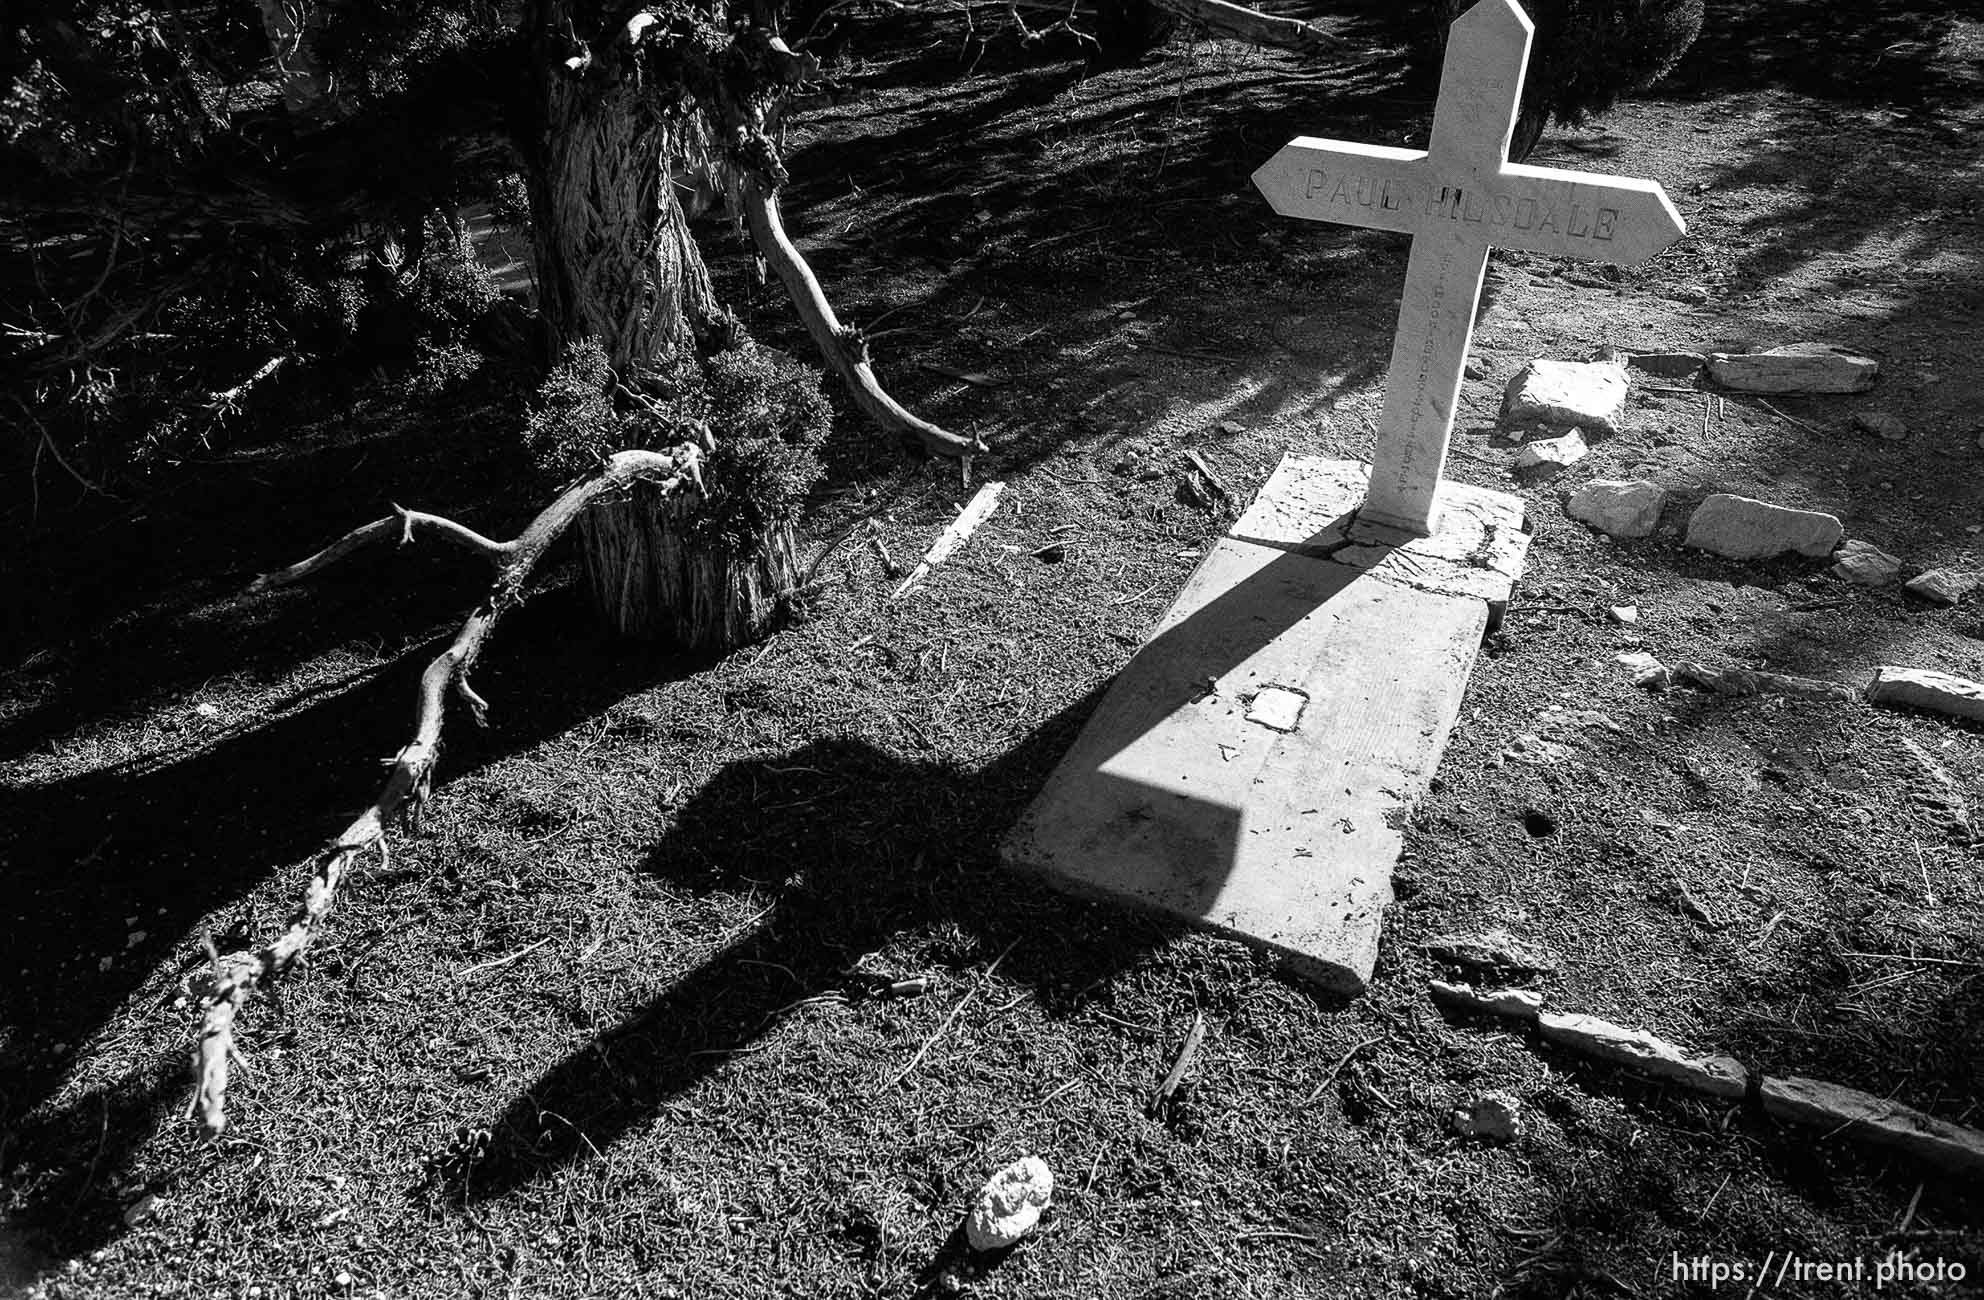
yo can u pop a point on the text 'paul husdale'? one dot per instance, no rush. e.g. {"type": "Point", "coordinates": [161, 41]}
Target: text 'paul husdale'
{"type": "Point", "coordinates": [1470, 207]}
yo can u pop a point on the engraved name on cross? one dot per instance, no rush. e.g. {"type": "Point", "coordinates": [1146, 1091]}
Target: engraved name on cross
{"type": "Point", "coordinates": [1456, 199]}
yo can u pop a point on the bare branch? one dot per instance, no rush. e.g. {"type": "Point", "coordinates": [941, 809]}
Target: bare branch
{"type": "Point", "coordinates": [236, 977]}
{"type": "Point", "coordinates": [1251, 25]}
{"type": "Point", "coordinates": [400, 523]}
{"type": "Point", "coordinates": [844, 349]}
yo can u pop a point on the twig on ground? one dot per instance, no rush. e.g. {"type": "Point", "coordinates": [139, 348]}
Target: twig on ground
{"type": "Point", "coordinates": [954, 535]}
{"type": "Point", "coordinates": [1186, 1054]}
{"type": "Point", "coordinates": [951, 1016]}
{"type": "Point", "coordinates": [1791, 419]}
{"type": "Point", "coordinates": [518, 955]}
{"type": "Point", "coordinates": [1329, 1077]}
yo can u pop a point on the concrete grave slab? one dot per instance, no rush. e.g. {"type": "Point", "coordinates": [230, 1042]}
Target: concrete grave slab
{"type": "Point", "coordinates": [1249, 769]}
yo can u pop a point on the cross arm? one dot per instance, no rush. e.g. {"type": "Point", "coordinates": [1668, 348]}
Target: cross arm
{"type": "Point", "coordinates": [1568, 214]}
{"type": "Point", "coordinates": [1370, 185]}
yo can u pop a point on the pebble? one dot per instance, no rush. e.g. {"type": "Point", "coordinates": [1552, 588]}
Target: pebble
{"type": "Point", "coordinates": [1625, 613]}
{"type": "Point", "coordinates": [1646, 670]}
{"type": "Point", "coordinates": [1009, 1205]}
{"type": "Point", "coordinates": [1494, 1117]}
{"type": "Point", "coordinates": [1882, 424]}
{"type": "Point", "coordinates": [1943, 586]}
{"type": "Point", "coordinates": [1549, 455]}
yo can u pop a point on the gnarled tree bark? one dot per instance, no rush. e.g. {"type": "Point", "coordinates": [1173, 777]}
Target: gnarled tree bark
{"type": "Point", "coordinates": [237, 977]}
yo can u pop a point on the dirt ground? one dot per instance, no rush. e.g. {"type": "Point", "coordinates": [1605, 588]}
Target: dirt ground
{"type": "Point", "coordinates": [613, 1021]}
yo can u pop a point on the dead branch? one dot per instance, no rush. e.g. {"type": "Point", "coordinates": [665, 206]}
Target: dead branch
{"type": "Point", "coordinates": [228, 400]}
{"type": "Point", "coordinates": [236, 977]}
{"type": "Point", "coordinates": [402, 522]}
{"type": "Point", "coordinates": [845, 349]}
{"type": "Point", "coordinates": [1251, 25]}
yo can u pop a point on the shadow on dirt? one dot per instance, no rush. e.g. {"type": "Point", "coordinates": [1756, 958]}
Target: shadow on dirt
{"type": "Point", "coordinates": [149, 848]}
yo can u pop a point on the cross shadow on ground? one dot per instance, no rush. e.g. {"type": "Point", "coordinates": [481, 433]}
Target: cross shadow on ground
{"type": "Point", "coordinates": [865, 845]}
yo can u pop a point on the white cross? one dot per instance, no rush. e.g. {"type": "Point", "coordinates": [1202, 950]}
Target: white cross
{"type": "Point", "coordinates": [1456, 199]}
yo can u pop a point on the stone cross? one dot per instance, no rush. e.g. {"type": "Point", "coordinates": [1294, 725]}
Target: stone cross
{"type": "Point", "coordinates": [1457, 199]}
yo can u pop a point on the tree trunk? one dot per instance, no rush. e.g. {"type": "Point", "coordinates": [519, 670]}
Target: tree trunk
{"type": "Point", "coordinates": [617, 264]}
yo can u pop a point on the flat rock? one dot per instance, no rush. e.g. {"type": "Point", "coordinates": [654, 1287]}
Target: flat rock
{"type": "Point", "coordinates": [1496, 949]}
{"type": "Point", "coordinates": [1882, 424]}
{"type": "Point", "coordinates": [1794, 368]}
{"type": "Point", "coordinates": [1746, 529]}
{"type": "Point", "coordinates": [1626, 508]}
{"type": "Point", "coordinates": [1548, 456]}
{"type": "Point", "coordinates": [1925, 688]}
{"type": "Point", "coordinates": [1865, 563]}
{"type": "Point", "coordinates": [1877, 1120]}
{"type": "Point", "coordinates": [1566, 394]}
{"type": "Point", "coordinates": [1642, 1053]}
{"type": "Point", "coordinates": [1943, 586]}
{"type": "Point", "coordinates": [1668, 365]}
{"type": "Point", "coordinates": [1512, 1004]}
{"type": "Point", "coordinates": [1647, 671]}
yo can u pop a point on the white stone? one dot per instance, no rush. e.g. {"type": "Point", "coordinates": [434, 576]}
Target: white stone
{"type": "Point", "coordinates": [1882, 424]}
{"type": "Point", "coordinates": [1718, 1076]}
{"type": "Point", "coordinates": [1010, 1204]}
{"type": "Point", "coordinates": [1876, 1119]}
{"type": "Point", "coordinates": [1865, 563]}
{"type": "Point", "coordinates": [1925, 688]}
{"type": "Point", "coordinates": [1794, 368]}
{"type": "Point", "coordinates": [1627, 614]}
{"type": "Point", "coordinates": [1943, 586]}
{"type": "Point", "coordinates": [1456, 199]}
{"type": "Point", "coordinates": [1743, 528]}
{"type": "Point", "coordinates": [1566, 394]}
{"type": "Point", "coordinates": [1494, 949]}
{"type": "Point", "coordinates": [1494, 1117]}
{"type": "Point", "coordinates": [1551, 455]}
{"type": "Point", "coordinates": [1514, 1004]}
{"type": "Point", "coordinates": [1647, 671]}
{"type": "Point", "coordinates": [1628, 508]}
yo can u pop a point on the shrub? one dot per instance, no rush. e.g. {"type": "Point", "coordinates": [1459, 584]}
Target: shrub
{"type": "Point", "coordinates": [764, 411]}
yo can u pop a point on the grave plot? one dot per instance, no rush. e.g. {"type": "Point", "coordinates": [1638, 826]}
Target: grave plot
{"type": "Point", "coordinates": [1250, 768]}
